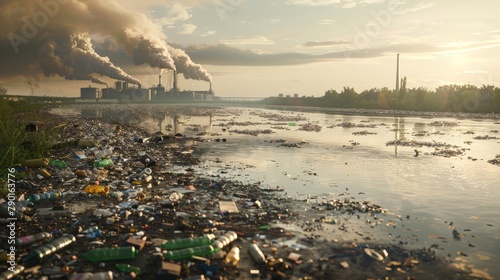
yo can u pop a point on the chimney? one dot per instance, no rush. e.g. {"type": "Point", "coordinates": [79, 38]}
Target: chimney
{"type": "Point", "coordinates": [159, 81]}
{"type": "Point", "coordinates": [175, 82]}
{"type": "Point", "coordinates": [118, 85]}
{"type": "Point", "coordinates": [397, 75]}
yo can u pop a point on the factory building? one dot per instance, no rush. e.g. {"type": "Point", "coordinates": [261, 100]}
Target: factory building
{"type": "Point", "coordinates": [90, 93]}
{"type": "Point", "coordinates": [158, 93]}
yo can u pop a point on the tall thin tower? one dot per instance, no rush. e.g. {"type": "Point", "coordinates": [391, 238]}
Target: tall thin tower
{"type": "Point", "coordinates": [397, 75]}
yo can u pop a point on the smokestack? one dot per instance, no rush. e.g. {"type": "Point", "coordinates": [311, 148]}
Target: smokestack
{"type": "Point", "coordinates": [159, 81]}
{"type": "Point", "coordinates": [397, 75]}
{"type": "Point", "coordinates": [175, 81]}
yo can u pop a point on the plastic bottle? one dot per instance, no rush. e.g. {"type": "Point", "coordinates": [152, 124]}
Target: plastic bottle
{"type": "Point", "coordinates": [58, 163]}
{"type": "Point", "coordinates": [93, 234]}
{"type": "Point", "coordinates": [44, 196]}
{"type": "Point", "coordinates": [147, 160]}
{"type": "Point", "coordinates": [36, 255]}
{"type": "Point", "coordinates": [233, 257]}
{"type": "Point", "coordinates": [256, 253]}
{"type": "Point", "coordinates": [91, 229]}
{"type": "Point", "coordinates": [175, 196]}
{"type": "Point", "coordinates": [44, 173]}
{"type": "Point", "coordinates": [34, 163]}
{"type": "Point", "coordinates": [224, 240]}
{"type": "Point", "coordinates": [26, 240]}
{"type": "Point", "coordinates": [97, 189]}
{"type": "Point", "coordinates": [7, 274]}
{"type": "Point", "coordinates": [108, 275]}
{"type": "Point", "coordinates": [181, 243]}
{"type": "Point", "coordinates": [111, 254]}
{"type": "Point", "coordinates": [127, 268]}
{"type": "Point", "coordinates": [188, 253]}
{"type": "Point", "coordinates": [103, 163]}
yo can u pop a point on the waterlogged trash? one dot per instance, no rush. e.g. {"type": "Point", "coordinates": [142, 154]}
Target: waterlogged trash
{"type": "Point", "coordinates": [26, 240]}
{"type": "Point", "coordinates": [44, 196]}
{"type": "Point", "coordinates": [11, 274]}
{"type": "Point", "coordinates": [188, 253]}
{"type": "Point", "coordinates": [374, 255]}
{"type": "Point", "coordinates": [36, 163]}
{"type": "Point", "coordinates": [108, 275]}
{"type": "Point", "coordinates": [36, 255]}
{"type": "Point", "coordinates": [111, 254]}
{"type": "Point", "coordinates": [103, 163]}
{"type": "Point", "coordinates": [58, 163]}
{"type": "Point", "coordinates": [97, 189]}
{"type": "Point", "coordinates": [256, 254]}
{"type": "Point", "coordinates": [147, 160]}
{"type": "Point", "coordinates": [127, 268]}
{"type": "Point", "coordinates": [86, 143]}
{"type": "Point", "coordinates": [233, 257]}
{"type": "Point", "coordinates": [102, 212]}
{"type": "Point", "coordinates": [181, 243]}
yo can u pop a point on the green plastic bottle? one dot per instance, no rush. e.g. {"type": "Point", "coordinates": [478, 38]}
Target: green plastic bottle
{"type": "Point", "coordinates": [184, 254]}
{"type": "Point", "coordinates": [111, 254]}
{"type": "Point", "coordinates": [58, 163]}
{"type": "Point", "coordinates": [127, 268]}
{"type": "Point", "coordinates": [104, 163]}
{"type": "Point", "coordinates": [182, 243]}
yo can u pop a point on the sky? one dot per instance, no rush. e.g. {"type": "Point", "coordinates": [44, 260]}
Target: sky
{"type": "Point", "coordinates": [254, 48]}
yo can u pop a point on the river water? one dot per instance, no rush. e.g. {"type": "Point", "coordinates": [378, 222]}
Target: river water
{"type": "Point", "coordinates": [430, 195]}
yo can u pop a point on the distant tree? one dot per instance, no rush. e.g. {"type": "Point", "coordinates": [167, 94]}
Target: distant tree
{"type": "Point", "coordinates": [3, 91]}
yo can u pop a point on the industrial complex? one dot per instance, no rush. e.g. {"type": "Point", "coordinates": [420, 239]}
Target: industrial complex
{"type": "Point", "coordinates": [157, 93]}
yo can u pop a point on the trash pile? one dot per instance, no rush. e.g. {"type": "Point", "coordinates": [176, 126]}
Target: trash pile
{"type": "Point", "coordinates": [495, 161]}
{"type": "Point", "coordinates": [114, 202]}
{"type": "Point", "coordinates": [285, 143]}
{"type": "Point", "coordinates": [310, 127]}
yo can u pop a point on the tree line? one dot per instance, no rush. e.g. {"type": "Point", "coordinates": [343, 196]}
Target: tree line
{"type": "Point", "coordinates": [448, 98]}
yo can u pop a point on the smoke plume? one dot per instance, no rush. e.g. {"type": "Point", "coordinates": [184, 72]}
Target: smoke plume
{"type": "Point", "coordinates": [53, 38]}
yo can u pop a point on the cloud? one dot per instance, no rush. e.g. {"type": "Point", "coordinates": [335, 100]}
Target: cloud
{"type": "Point", "coordinates": [347, 4]}
{"type": "Point", "coordinates": [187, 29]}
{"type": "Point", "coordinates": [313, 44]}
{"type": "Point", "coordinates": [325, 21]}
{"type": "Point", "coordinates": [418, 7]}
{"type": "Point", "coordinates": [168, 16]}
{"type": "Point", "coordinates": [313, 3]}
{"type": "Point", "coordinates": [252, 40]}
{"type": "Point", "coordinates": [222, 54]}
{"type": "Point", "coordinates": [208, 33]}
{"type": "Point", "coordinates": [273, 20]}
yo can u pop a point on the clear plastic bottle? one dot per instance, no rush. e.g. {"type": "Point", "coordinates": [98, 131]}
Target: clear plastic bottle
{"type": "Point", "coordinates": [91, 229]}
{"type": "Point", "coordinates": [184, 254]}
{"type": "Point", "coordinates": [108, 275]}
{"type": "Point", "coordinates": [181, 243]}
{"type": "Point", "coordinates": [26, 240]}
{"type": "Point", "coordinates": [11, 274]}
{"type": "Point", "coordinates": [233, 257]}
{"type": "Point", "coordinates": [36, 255]}
{"type": "Point", "coordinates": [111, 254]}
{"type": "Point", "coordinates": [256, 253]}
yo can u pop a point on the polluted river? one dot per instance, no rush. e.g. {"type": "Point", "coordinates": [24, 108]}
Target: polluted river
{"type": "Point", "coordinates": [433, 180]}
